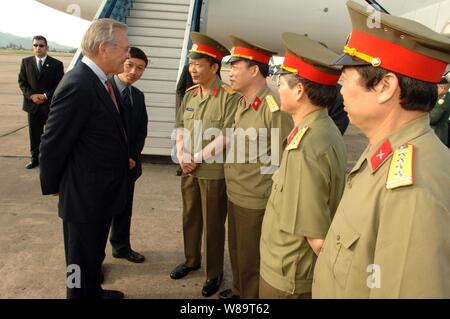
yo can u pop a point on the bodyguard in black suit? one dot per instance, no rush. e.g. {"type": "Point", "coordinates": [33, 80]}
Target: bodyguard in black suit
{"type": "Point", "coordinates": [133, 101]}
{"type": "Point", "coordinates": [84, 156]}
{"type": "Point", "coordinates": [38, 78]}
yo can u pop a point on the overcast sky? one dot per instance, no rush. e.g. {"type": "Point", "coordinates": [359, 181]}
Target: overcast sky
{"type": "Point", "coordinates": [29, 18]}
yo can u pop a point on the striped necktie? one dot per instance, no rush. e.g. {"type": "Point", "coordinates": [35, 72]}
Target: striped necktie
{"type": "Point", "coordinates": [111, 94]}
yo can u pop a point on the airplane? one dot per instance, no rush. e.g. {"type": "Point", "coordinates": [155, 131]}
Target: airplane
{"type": "Point", "coordinates": [161, 28]}
{"type": "Point", "coordinates": [264, 20]}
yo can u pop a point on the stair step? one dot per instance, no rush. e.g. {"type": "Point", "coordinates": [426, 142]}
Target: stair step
{"type": "Point", "coordinates": [160, 142]}
{"type": "Point", "coordinates": [160, 114]}
{"type": "Point", "coordinates": [162, 106]}
{"type": "Point", "coordinates": [156, 150]}
{"type": "Point", "coordinates": [158, 15]}
{"type": "Point", "coordinates": [162, 127]}
{"type": "Point", "coordinates": [154, 86]}
{"type": "Point", "coordinates": [164, 100]}
{"type": "Point", "coordinates": [160, 74]}
{"type": "Point", "coordinates": [179, 2]}
{"type": "Point", "coordinates": [162, 63]}
{"type": "Point", "coordinates": [161, 52]}
{"type": "Point", "coordinates": [156, 32]}
{"type": "Point", "coordinates": [155, 42]}
{"type": "Point", "coordinates": [161, 7]}
{"type": "Point", "coordinates": [152, 23]}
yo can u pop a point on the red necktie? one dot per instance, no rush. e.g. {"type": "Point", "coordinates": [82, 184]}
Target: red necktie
{"type": "Point", "coordinates": [111, 94]}
{"type": "Point", "coordinates": [113, 98]}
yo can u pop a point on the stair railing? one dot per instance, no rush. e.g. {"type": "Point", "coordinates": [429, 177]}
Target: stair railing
{"type": "Point", "coordinates": [192, 24]}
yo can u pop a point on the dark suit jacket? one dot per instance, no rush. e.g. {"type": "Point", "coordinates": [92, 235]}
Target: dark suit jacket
{"type": "Point", "coordinates": [32, 82]}
{"type": "Point", "coordinates": [137, 122]}
{"type": "Point", "coordinates": [337, 112]}
{"type": "Point", "coordinates": [83, 152]}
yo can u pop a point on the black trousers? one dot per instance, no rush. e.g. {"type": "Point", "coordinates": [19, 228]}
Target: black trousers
{"type": "Point", "coordinates": [120, 225]}
{"type": "Point", "coordinates": [36, 122]}
{"type": "Point", "coordinates": [84, 246]}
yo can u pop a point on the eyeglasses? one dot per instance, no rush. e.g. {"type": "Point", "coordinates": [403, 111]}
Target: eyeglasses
{"type": "Point", "coordinates": [39, 45]}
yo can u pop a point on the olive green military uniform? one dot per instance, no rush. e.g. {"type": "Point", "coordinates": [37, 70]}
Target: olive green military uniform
{"type": "Point", "coordinates": [248, 187]}
{"type": "Point", "coordinates": [308, 186]}
{"type": "Point", "coordinates": [390, 235]}
{"type": "Point", "coordinates": [305, 194]}
{"type": "Point", "coordinates": [439, 117]}
{"type": "Point", "coordinates": [395, 241]}
{"type": "Point", "coordinates": [203, 191]}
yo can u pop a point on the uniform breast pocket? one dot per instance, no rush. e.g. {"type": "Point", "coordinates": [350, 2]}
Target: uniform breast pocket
{"type": "Point", "coordinates": [188, 120]}
{"type": "Point", "coordinates": [345, 242]}
{"type": "Point", "coordinates": [187, 115]}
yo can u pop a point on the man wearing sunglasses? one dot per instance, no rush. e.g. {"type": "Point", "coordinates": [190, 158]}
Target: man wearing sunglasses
{"type": "Point", "coordinates": [38, 78]}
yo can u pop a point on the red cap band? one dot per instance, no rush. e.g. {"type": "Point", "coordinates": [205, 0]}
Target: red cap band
{"type": "Point", "coordinates": [204, 49]}
{"type": "Point", "coordinates": [309, 72]}
{"type": "Point", "coordinates": [251, 54]}
{"type": "Point", "coordinates": [397, 58]}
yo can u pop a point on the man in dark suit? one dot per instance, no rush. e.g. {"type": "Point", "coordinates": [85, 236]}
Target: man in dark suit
{"type": "Point", "coordinates": [38, 78]}
{"type": "Point", "coordinates": [84, 156]}
{"type": "Point", "coordinates": [337, 113]}
{"type": "Point", "coordinates": [133, 101]}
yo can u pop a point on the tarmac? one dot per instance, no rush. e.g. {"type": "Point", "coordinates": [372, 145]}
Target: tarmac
{"type": "Point", "coordinates": [32, 261]}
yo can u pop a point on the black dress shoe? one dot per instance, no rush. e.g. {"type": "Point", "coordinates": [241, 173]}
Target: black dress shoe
{"type": "Point", "coordinates": [228, 294]}
{"type": "Point", "coordinates": [182, 270]}
{"type": "Point", "coordinates": [131, 255]}
{"type": "Point", "coordinates": [112, 294]}
{"type": "Point", "coordinates": [211, 286]}
{"type": "Point", "coordinates": [32, 164]}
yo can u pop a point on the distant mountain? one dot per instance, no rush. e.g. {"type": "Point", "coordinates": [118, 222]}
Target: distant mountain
{"type": "Point", "coordinates": [8, 39]}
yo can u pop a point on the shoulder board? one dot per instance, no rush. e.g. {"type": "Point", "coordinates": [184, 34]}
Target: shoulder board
{"type": "Point", "coordinates": [401, 168]}
{"type": "Point", "coordinates": [192, 87]}
{"type": "Point", "coordinates": [228, 89]}
{"type": "Point", "coordinates": [294, 141]}
{"type": "Point", "coordinates": [272, 103]}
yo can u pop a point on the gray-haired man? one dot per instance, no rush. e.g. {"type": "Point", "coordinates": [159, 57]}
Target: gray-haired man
{"type": "Point", "coordinates": [84, 156]}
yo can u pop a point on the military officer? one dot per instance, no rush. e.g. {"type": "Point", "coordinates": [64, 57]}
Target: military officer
{"type": "Point", "coordinates": [308, 186]}
{"type": "Point", "coordinates": [389, 237]}
{"type": "Point", "coordinates": [207, 106]}
{"type": "Point", "coordinates": [439, 115]}
{"type": "Point", "coordinates": [249, 169]}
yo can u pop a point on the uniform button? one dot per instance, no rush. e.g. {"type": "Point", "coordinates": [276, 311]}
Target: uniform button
{"type": "Point", "coordinates": [349, 185]}
{"type": "Point", "coordinates": [338, 237]}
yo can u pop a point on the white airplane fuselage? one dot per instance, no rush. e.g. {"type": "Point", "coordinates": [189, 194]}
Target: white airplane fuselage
{"type": "Point", "coordinates": [263, 21]}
